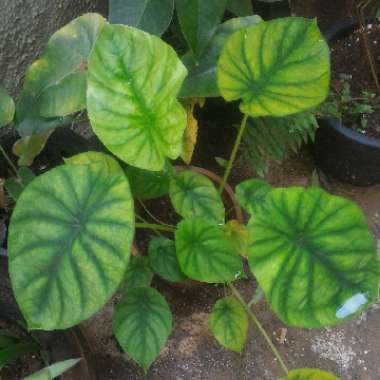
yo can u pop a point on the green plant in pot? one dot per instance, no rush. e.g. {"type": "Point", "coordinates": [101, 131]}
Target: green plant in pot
{"type": "Point", "coordinates": [347, 145]}
{"type": "Point", "coordinates": [72, 228]}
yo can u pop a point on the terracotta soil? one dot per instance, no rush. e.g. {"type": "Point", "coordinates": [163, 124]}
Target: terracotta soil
{"type": "Point", "coordinates": [348, 58]}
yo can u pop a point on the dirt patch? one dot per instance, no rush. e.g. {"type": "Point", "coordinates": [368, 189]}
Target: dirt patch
{"type": "Point", "coordinates": [350, 64]}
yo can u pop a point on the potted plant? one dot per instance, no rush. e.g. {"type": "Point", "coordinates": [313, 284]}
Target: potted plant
{"type": "Point", "coordinates": [72, 228]}
{"type": "Point", "coordinates": [347, 144]}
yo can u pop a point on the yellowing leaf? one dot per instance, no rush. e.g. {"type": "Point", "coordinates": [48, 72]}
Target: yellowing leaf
{"type": "Point", "coordinates": [27, 148]}
{"type": "Point", "coordinates": [191, 133]}
{"type": "Point", "coordinates": [238, 235]}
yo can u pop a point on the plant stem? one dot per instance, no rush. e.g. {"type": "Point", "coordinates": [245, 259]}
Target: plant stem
{"type": "Point", "coordinates": [11, 164]}
{"type": "Point", "coordinates": [367, 47]}
{"type": "Point", "coordinates": [231, 161]}
{"type": "Point", "coordinates": [158, 233]}
{"type": "Point", "coordinates": [155, 227]}
{"type": "Point", "coordinates": [152, 216]}
{"type": "Point", "coordinates": [259, 327]}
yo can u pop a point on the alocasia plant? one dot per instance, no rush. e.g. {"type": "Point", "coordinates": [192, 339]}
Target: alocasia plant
{"type": "Point", "coordinates": [72, 227]}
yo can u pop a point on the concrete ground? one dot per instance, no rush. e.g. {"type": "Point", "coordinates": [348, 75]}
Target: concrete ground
{"type": "Point", "coordinates": [351, 350]}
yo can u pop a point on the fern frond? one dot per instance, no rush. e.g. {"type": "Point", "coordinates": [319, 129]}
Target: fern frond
{"type": "Point", "coordinates": [275, 137]}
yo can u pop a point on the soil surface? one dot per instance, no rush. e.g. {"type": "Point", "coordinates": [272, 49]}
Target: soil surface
{"type": "Point", "coordinates": [26, 364]}
{"type": "Point", "coordinates": [349, 61]}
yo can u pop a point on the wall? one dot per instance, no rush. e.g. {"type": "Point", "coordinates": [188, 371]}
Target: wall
{"type": "Point", "coordinates": [25, 27]}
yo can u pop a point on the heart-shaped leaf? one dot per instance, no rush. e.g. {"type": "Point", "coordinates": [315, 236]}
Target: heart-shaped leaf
{"type": "Point", "coordinates": [55, 85]}
{"type": "Point", "coordinates": [205, 253]}
{"type": "Point", "coordinates": [164, 261]}
{"type": "Point", "coordinates": [201, 81]}
{"type": "Point", "coordinates": [240, 7]}
{"type": "Point", "coordinates": [229, 323]}
{"type": "Point", "coordinates": [276, 68]}
{"type": "Point", "coordinates": [142, 323]}
{"type": "Point", "coordinates": [139, 273]}
{"type": "Point", "coordinates": [309, 374]}
{"type": "Point", "coordinates": [199, 20]}
{"type": "Point", "coordinates": [69, 243]}
{"type": "Point", "coordinates": [133, 82]}
{"type": "Point", "coordinates": [313, 256]}
{"type": "Point", "coordinates": [252, 193]}
{"type": "Point", "coordinates": [153, 16]}
{"type": "Point", "coordinates": [7, 108]}
{"type": "Point", "coordinates": [193, 194]}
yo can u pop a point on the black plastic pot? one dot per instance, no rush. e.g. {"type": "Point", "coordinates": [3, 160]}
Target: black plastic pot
{"type": "Point", "coordinates": [341, 152]}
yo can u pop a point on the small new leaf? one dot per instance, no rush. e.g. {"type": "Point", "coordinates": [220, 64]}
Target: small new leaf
{"type": "Point", "coordinates": [229, 323]}
{"type": "Point", "coordinates": [205, 253]}
{"type": "Point", "coordinates": [164, 261]}
{"type": "Point", "coordinates": [142, 323]}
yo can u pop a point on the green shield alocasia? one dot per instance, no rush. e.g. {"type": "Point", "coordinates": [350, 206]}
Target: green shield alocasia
{"type": "Point", "coordinates": [276, 68]}
{"type": "Point", "coordinates": [133, 82]}
{"type": "Point", "coordinates": [138, 273]}
{"type": "Point", "coordinates": [205, 253]}
{"type": "Point", "coordinates": [55, 85]}
{"type": "Point", "coordinates": [7, 108]}
{"type": "Point", "coordinates": [142, 323]}
{"type": "Point", "coordinates": [192, 194]}
{"type": "Point", "coordinates": [313, 256]}
{"type": "Point", "coordinates": [69, 243]}
{"type": "Point", "coordinates": [229, 323]}
{"type": "Point", "coordinates": [163, 259]}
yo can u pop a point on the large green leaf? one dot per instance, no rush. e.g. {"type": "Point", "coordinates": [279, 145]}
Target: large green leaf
{"type": "Point", "coordinates": [139, 272]}
{"type": "Point", "coordinates": [313, 256]}
{"type": "Point", "coordinates": [153, 16]}
{"type": "Point", "coordinates": [199, 20]}
{"type": "Point", "coordinates": [309, 374]}
{"type": "Point", "coordinates": [276, 68]}
{"type": "Point", "coordinates": [205, 253]}
{"type": "Point", "coordinates": [201, 81]}
{"type": "Point", "coordinates": [55, 85]}
{"type": "Point", "coordinates": [164, 261]}
{"type": "Point", "coordinates": [69, 243]}
{"type": "Point", "coordinates": [7, 108]}
{"type": "Point", "coordinates": [229, 323]}
{"type": "Point", "coordinates": [240, 7]}
{"type": "Point", "coordinates": [251, 193]}
{"type": "Point", "coordinates": [91, 157]}
{"type": "Point", "coordinates": [193, 194]}
{"type": "Point", "coordinates": [142, 323]}
{"type": "Point", "coordinates": [53, 371]}
{"type": "Point", "coordinates": [133, 82]}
